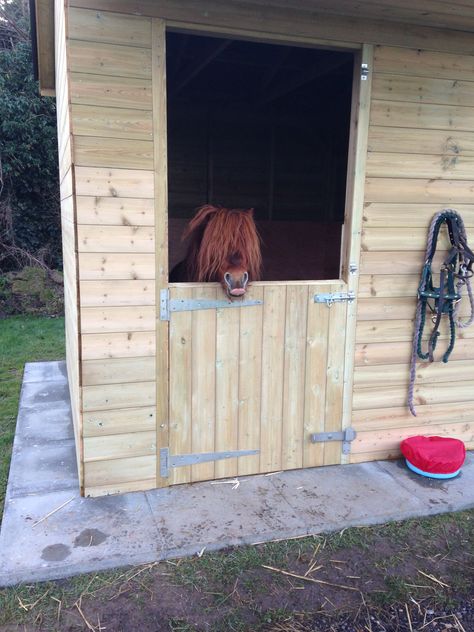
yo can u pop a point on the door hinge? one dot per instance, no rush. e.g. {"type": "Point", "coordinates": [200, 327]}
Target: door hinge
{"type": "Point", "coordinates": [364, 72]}
{"type": "Point", "coordinates": [169, 305]}
{"type": "Point", "coordinates": [335, 297]}
{"type": "Point", "coordinates": [168, 461]}
{"type": "Point", "coordinates": [346, 436]}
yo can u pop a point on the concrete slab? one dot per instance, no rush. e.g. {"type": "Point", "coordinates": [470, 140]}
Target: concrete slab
{"type": "Point", "coordinates": [213, 515]}
{"type": "Point", "coordinates": [348, 495]}
{"type": "Point", "coordinates": [64, 534]}
{"type": "Point", "coordinates": [86, 535]}
{"type": "Point", "coordinates": [45, 372]}
{"type": "Point", "coordinates": [50, 392]}
{"type": "Point", "coordinates": [42, 468]}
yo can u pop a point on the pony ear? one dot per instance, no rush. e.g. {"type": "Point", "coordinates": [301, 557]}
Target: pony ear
{"type": "Point", "coordinates": [250, 211]}
{"type": "Point", "coordinates": [202, 216]}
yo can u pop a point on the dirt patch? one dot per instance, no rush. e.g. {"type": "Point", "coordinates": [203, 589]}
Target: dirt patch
{"type": "Point", "coordinates": [401, 577]}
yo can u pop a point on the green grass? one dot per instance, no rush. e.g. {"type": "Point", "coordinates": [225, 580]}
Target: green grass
{"type": "Point", "coordinates": [22, 339]}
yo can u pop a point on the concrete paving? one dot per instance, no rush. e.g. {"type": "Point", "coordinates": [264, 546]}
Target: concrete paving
{"type": "Point", "coordinates": [93, 534]}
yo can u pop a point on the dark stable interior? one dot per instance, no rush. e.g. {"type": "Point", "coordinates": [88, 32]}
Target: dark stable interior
{"type": "Point", "coordinates": [263, 126]}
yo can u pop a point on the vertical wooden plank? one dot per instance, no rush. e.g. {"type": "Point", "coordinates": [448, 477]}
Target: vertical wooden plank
{"type": "Point", "coordinates": [161, 230]}
{"type": "Point", "coordinates": [180, 361]}
{"type": "Point", "coordinates": [250, 376]}
{"type": "Point", "coordinates": [335, 377]}
{"type": "Point", "coordinates": [293, 381]}
{"type": "Point", "coordinates": [274, 311]}
{"type": "Point", "coordinates": [227, 387]}
{"type": "Point", "coordinates": [317, 343]}
{"type": "Point", "coordinates": [203, 382]}
{"type": "Point", "coordinates": [361, 91]}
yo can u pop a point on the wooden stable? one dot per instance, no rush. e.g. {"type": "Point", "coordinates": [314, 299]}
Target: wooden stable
{"type": "Point", "coordinates": [266, 377]}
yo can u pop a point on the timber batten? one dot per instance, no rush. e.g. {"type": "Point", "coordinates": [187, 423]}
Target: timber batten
{"type": "Point", "coordinates": [139, 384]}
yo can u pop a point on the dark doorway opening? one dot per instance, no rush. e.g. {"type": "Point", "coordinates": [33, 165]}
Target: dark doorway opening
{"type": "Point", "coordinates": [263, 126]}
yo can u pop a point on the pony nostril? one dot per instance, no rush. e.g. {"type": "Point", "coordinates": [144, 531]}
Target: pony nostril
{"type": "Point", "coordinates": [228, 279]}
{"type": "Point", "coordinates": [245, 279]}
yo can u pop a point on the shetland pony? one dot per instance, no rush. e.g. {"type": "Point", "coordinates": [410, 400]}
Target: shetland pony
{"type": "Point", "coordinates": [224, 246]}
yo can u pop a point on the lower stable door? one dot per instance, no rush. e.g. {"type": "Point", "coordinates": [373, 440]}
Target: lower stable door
{"type": "Point", "coordinates": [255, 386]}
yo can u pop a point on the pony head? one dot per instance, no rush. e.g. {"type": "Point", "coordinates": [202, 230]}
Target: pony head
{"type": "Point", "coordinates": [224, 247]}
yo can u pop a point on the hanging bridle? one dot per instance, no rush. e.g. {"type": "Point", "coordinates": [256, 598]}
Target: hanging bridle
{"type": "Point", "coordinates": [442, 300]}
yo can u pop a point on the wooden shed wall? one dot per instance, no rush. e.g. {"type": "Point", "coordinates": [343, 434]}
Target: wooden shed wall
{"type": "Point", "coordinates": [420, 159]}
{"type": "Point", "coordinates": [69, 235]}
{"type": "Point", "coordinates": [112, 126]}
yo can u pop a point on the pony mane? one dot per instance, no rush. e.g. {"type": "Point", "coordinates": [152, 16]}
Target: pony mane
{"type": "Point", "coordinates": [219, 236]}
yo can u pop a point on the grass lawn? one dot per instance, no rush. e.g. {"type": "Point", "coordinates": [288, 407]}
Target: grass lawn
{"type": "Point", "coordinates": [22, 339]}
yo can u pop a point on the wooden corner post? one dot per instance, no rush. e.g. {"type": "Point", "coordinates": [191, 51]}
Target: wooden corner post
{"type": "Point", "coordinates": [161, 232]}
{"type": "Point", "coordinates": [361, 93]}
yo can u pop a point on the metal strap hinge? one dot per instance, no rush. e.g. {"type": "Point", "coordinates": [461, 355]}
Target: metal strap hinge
{"type": "Point", "coordinates": [168, 305]}
{"type": "Point", "coordinates": [168, 461]}
{"type": "Point", "coordinates": [335, 297]}
{"type": "Point", "coordinates": [346, 436]}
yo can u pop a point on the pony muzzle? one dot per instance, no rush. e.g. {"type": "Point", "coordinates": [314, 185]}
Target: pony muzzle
{"type": "Point", "coordinates": [236, 287]}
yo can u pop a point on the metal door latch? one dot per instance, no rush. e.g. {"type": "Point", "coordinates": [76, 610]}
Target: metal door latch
{"type": "Point", "coordinates": [335, 297]}
{"type": "Point", "coordinates": [364, 72]}
{"type": "Point", "coordinates": [346, 436]}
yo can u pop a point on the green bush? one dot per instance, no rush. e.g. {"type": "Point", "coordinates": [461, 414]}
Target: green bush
{"type": "Point", "coordinates": [33, 290]}
{"type": "Point", "coordinates": [29, 188]}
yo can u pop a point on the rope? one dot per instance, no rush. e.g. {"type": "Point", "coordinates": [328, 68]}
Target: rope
{"type": "Point", "coordinates": [463, 275]}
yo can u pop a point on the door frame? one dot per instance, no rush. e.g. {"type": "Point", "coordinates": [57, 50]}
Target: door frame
{"type": "Point", "coordinates": [355, 183]}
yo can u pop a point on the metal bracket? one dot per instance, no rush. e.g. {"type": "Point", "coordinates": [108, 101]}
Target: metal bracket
{"type": "Point", "coordinates": [336, 297]}
{"type": "Point", "coordinates": [346, 436]}
{"type": "Point", "coordinates": [179, 460]}
{"type": "Point", "coordinates": [168, 305]}
{"type": "Point", "coordinates": [364, 72]}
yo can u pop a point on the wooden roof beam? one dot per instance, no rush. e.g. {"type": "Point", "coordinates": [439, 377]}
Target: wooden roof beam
{"type": "Point", "coordinates": [44, 41]}
{"type": "Point", "coordinates": [200, 65]}
{"type": "Point", "coordinates": [302, 78]}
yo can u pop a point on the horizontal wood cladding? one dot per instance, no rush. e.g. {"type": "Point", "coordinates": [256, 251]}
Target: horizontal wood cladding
{"type": "Point", "coordinates": [110, 91]}
{"type": "Point", "coordinates": [427, 415]}
{"type": "Point", "coordinates": [304, 23]}
{"type": "Point", "coordinates": [409, 215]}
{"type": "Point", "coordinates": [411, 89]}
{"type": "Point", "coordinates": [424, 63]}
{"type": "Point", "coordinates": [117, 293]}
{"type": "Point", "coordinates": [114, 370]}
{"type": "Point", "coordinates": [95, 266]}
{"type": "Point", "coordinates": [101, 182]}
{"type": "Point", "coordinates": [117, 446]}
{"type": "Point", "coordinates": [396, 395]}
{"type": "Point", "coordinates": [390, 439]}
{"type": "Point", "coordinates": [406, 140]}
{"type": "Point", "coordinates": [382, 376]}
{"type": "Point", "coordinates": [109, 59]}
{"type": "Point", "coordinates": [444, 167]}
{"type": "Point", "coordinates": [113, 475]}
{"type": "Point", "coordinates": [411, 191]}
{"type": "Point", "coordinates": [112, 211]}
{"type": "Point", "coordinates": [371, 331]}
{"type": "Point", "coordinates": [112, 422]}
{"type": "Point", "coordinates": [93, 151]}
{"type": "Point", "coordinates": [116, 319]}
{"type": "Point", "coordinates": [128, 123]}
{"type": "Point", "coordinates": [126, 344]}
{"type": "Point", "coordinates": [109, 28]}
{"type": "Point", "coordinates": [383, 353]}
{"type": "Point", "coordinates": [104, 239]}
{"type": "Point", "coordinates": [118, 396]}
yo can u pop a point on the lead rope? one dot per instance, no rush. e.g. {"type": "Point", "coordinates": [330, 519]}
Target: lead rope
{"type": "Point", "coordinates": [464, 274]}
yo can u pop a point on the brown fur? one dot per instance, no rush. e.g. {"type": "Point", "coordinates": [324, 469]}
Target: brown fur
{"type": "Point", "coordinates": [222, 240]}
